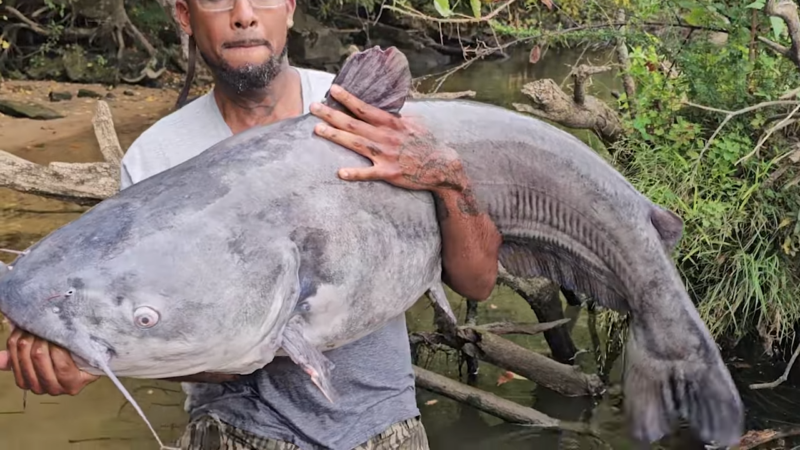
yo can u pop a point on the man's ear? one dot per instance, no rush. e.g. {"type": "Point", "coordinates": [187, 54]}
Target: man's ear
{"type": "Point", "coordinates": [183, 16]}
{"type": "Point", "coordinates": [291, 5]}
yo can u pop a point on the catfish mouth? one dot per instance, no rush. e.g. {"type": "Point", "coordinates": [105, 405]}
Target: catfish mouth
{"type": "Point", "coordinates": [90, 354]}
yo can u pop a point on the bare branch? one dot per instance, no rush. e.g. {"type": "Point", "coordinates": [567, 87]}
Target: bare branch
{"type": "Point", "coordinates": [730, 115]}
{"type": "Point", "coordinates": [624, 61]}
{"type": "Point", "coordinates": [531, 329]}
{"type": "Point", "coordinates": [779, 126]}
{"type": "Point", "coordinates": [783, 377]}
{"type": "Point", "coordinates": [464, 19]}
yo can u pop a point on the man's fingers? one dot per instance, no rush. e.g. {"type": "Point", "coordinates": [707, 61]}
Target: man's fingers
{"type": "Point", "coordinates": [363, 110]}
{"type": "Point", "coordinates": [13, 354]}
{"type": "Point", "coordinates": [371, 173]}
{"type": "Point", "coordinates": [5, 360]}
{"type": "Point", "coordinates": [44, 371]}
{"type": "Point", "coordinates": [25, 364]}
{"type": "Point", "coordinates": [358, 144]}
{"type": "Point", "coordinates": [344, 122]}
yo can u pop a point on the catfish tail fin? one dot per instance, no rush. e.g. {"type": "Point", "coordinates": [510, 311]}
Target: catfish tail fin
{"type": "Point", "coordinates": [662, 391]}
{"type": "Point", "coordinates": [380, 78]}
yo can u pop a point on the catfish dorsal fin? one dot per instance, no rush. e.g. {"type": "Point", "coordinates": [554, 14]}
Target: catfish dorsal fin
{"type": "Point", "coordinates": [380, 78]}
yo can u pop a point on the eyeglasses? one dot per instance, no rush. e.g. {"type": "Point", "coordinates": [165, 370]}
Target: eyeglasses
{"type": "Point", "coordinates": [227, 5]}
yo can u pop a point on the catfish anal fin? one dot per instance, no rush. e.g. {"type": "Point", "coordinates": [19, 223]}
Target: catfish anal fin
{"type": "Point", "coordinates": [380, 78]}
{"type": "Point", "coordinates": [310, 359]}
{"type": "Point", "coordinates": [538, 258]}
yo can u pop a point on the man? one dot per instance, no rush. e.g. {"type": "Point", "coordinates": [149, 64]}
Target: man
{"type": "Point", "coordinates": [244, 44]}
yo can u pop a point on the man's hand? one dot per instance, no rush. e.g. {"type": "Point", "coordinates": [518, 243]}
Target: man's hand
{"type": "Point", "coordinates": [402, 153]}
{"type": "Point", "coordinates": [405, 154]}
{"type": "Point", "coordinates": [42, 367]}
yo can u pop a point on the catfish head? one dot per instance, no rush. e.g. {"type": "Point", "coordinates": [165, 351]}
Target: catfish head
{"type": "Point", "coordinates": [108, 315]}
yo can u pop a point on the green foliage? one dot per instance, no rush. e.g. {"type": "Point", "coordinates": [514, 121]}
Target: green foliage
{"type": "Point", "coordinates": [737, 216]}
{"type": "Point", "coordinates": [741, 209]}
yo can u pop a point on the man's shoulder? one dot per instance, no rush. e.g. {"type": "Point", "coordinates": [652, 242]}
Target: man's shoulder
{"type": "Point", "coordinates": [174, 138]}
{"type": "Point", "coordinates": [192, 117]}
{"type": "Point", "coordinates": [317, 77]}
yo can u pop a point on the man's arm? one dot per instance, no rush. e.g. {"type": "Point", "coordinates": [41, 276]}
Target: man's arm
{"type": "Point", "coordinates": [406, 155]}
{"type": "Point", "coordinates": [470, 244]}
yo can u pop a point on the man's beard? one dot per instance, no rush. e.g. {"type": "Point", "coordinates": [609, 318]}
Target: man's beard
{"type": "Point", "coordinates": [249, 77]}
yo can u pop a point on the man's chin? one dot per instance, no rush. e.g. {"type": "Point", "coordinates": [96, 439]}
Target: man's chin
{"type": "Point", "coordinates": [243, 58]}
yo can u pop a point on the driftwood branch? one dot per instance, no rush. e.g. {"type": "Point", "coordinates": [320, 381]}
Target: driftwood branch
{"type": "Point", "coordinates": [530, 329]}
{"type": "Point", "coordinates": [754, 439]}
{"type": "Point", "coordinates": [104, 131]}
{"type": "Point", "coordinates": [542, 295]}
{"type": "Point", "coordinates": [786, 10]}
{"type": "Point", "coordinates": [489, 347]}
{"type": "Point", "coordinates": [482, 400]}
{"type": "Point", "coordinates": [82, 183]}
{"type": "Point", "coordinates": [580, 76]}
{"type": "Point", "coordinates": [551, 103]}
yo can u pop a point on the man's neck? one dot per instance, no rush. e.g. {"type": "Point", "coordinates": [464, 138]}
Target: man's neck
{"type": "Point", "coordinates": [280, 100]}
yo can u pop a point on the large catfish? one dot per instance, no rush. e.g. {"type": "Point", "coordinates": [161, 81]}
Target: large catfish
{"type": "Point", "coordinates": [255, 249]}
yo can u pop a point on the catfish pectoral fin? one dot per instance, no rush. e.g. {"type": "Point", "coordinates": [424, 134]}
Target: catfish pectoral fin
{"type": "Point", "coordinates": [439, 300]}
{"type": "Point", "coordinates": [311, 360]}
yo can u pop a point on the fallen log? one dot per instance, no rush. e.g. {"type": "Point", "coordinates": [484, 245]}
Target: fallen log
{"type": "Point", "coordinates": [482, 400]}
{"type": "Point", "coordinates": [579, 111]}
{"type": "Point", "coordinates": [85, 184]}
{"type": "Point", "coordinates": [488, 347]}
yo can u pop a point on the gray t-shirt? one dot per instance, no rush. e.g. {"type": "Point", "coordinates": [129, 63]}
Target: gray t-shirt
{"type": "Point", "coordinates": [373, 376]}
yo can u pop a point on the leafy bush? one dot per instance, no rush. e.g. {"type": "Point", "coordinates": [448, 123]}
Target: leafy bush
{"type": "Point", "coordinates": [738, 254]}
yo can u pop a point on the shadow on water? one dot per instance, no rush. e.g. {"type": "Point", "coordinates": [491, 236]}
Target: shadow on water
{"type": "Point", "coordinates": [99, 418]}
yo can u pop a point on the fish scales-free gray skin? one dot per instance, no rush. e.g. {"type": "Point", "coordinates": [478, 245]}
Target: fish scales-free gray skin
{"type": "Point", "coordinates": [264, 244]}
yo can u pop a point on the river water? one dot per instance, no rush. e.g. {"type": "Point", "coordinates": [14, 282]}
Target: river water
{"type": "Point", "coordinates": [99, 418]}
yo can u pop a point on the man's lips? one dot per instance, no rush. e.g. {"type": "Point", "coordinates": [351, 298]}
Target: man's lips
{"type": "Point", "coordinates": [247, 44]}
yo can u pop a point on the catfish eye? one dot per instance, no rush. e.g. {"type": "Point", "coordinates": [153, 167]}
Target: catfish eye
{"type": "Point", "coordinates": [69, 293]}
{"type": "Point", "coordinates": [145, 317]}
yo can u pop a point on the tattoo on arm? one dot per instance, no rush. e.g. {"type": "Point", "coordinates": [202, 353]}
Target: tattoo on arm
{"type": "Point", "coordinates": [468, 204]}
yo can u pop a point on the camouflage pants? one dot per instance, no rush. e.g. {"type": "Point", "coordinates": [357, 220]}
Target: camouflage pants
{"type": "Point", "coordinates": [208, 433]}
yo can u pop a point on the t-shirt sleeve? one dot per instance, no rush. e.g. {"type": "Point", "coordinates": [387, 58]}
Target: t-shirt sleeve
{"type": "Point", "coordinates": [124, 176]}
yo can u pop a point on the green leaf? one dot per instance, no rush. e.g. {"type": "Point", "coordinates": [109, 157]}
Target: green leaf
{"type": "Point", "coordinates": [758, 4]}
{"type": "Point", "coordinates": [476, 8]}
{"type": "Point", "coordinates": [778, 26]}
{"type": "Point", "coordinates": [443, 7]}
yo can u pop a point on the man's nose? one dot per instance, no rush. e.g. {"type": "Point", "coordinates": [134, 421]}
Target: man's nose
{"type": "Point", "coordinates": [243, 16]}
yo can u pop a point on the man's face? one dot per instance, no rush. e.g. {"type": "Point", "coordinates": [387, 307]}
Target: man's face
{"type": "Point", "coordinates": [244, 46]}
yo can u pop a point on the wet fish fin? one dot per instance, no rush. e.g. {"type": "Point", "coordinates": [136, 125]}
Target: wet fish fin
{"type": "Point", "coordinates": [378, 77]}
{"type": "Point", "coordinates": [441, 305]}
{"type": "Point", "coordinates": [309, 358]}
{"type": "Point", "coordinates": [538, 258]}
{"type": "Point", "coordinates": [696, 388]}
{"type": "Point", "coordinates": [669, 226]}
